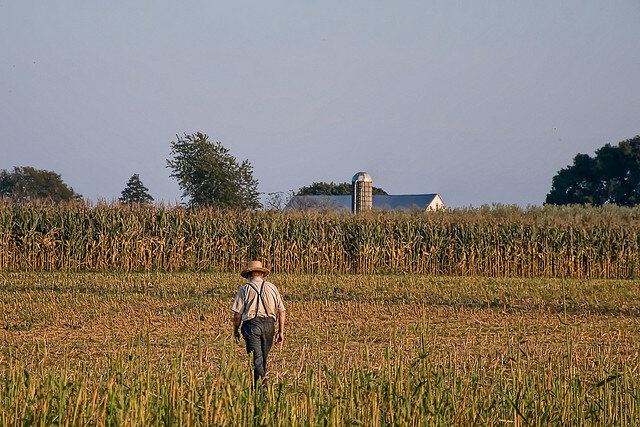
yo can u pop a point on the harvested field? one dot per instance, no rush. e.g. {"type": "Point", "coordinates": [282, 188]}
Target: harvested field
{"type": "Point", "coordinates": [138, 348]}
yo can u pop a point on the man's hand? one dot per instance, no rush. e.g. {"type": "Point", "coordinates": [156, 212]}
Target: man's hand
{"type": "Point", "coordinates": [237, 320]}
{"type": "Point", "coordinates": [281, 319]}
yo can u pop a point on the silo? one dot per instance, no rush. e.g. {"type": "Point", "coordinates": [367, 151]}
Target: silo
{"type": "Point", "coordinates": [361, 192]}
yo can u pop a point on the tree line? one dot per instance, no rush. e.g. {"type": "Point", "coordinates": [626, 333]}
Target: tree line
{"type": "Point", "coordinates": [209, 175]}
{"type": "Point", "coordinates": [27, 184]}
{"type": "Point", "coordinates": [612, 176]}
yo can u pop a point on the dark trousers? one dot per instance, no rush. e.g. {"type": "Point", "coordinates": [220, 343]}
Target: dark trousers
{"type": "Point", "coordinates": [258, 336]}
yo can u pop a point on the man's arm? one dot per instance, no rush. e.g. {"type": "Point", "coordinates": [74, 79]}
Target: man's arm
{"type": "Point", "coordinates": [281, 318]}
{"type": "Point", "coordinates": [237, 320]}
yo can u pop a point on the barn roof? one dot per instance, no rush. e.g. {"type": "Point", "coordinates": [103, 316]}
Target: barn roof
{"type": "Point", "coordinates": [388, 202]}
{"type": "Point", "coordinates": [403, 201]}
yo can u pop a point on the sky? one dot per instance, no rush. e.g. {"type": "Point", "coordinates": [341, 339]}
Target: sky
{"type": "Point", "coordinates": [479, 101]}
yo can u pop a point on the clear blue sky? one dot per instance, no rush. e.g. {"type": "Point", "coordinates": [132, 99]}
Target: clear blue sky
{"type": "Point", "coordinates": [481, 102]}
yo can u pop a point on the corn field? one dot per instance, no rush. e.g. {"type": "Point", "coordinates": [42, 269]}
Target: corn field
{"type": "Point", "coordinates": [501, 241]}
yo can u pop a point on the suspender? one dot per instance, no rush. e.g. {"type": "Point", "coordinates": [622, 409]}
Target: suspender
{"type": "Point", "coordinates": [260, 298]}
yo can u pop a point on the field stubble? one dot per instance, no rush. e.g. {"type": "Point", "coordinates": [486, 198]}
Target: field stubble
{"type": "Point", "coordinates": [156, 348]}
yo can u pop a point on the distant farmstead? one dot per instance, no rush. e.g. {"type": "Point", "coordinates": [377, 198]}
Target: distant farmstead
{"type": "Point", "coordinates": [362, 199]}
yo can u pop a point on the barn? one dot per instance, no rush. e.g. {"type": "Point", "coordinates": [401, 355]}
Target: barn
{"type": "Point", "coordinates": [352, 202]}
{"type": "Point", "coordinates": [403, 202]}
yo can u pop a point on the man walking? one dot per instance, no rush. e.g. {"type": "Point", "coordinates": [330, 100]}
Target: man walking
{"type": "Point", "coordinates": [257, 306]}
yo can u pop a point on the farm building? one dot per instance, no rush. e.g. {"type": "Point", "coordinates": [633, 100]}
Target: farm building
{"type": "Point", "coordinates": [361, 199]}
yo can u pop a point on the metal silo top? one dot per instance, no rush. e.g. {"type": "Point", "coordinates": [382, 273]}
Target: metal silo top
{"type": "Point", "coordinates": [362, 177]}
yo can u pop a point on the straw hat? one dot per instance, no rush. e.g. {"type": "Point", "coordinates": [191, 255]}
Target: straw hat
{"type": "Point", "coordinates": [253, 266]}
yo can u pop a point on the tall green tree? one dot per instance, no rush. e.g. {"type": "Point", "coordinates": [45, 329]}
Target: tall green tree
{"type": "Point", "coordinates": [612, 176]}
{"type": "Point", "coordinates": [135, 191]}
{"type": "Point", "coordinates": [332, 189]}
{"type": "Point", "coordinates": [210, 176]}
{"type": "Point", "coordinates": [25, 184]}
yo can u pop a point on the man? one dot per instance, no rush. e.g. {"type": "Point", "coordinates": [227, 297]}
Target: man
{"type": "Point", "coordinates": [257, 306]}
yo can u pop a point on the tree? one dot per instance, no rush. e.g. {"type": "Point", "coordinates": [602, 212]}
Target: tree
{"type": "Point", "coordinates": [612, 176]}
{"type": "Point", "coordinates": [210, 176]}
{"type": "Point", "coordinates": [331, 189]}
{"type": "Point", "coordinates": [27, 184]}
{"type": "Point", "coordinates": [135, 191]}
{"type": "Point", "coordinates": [278, 200]}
